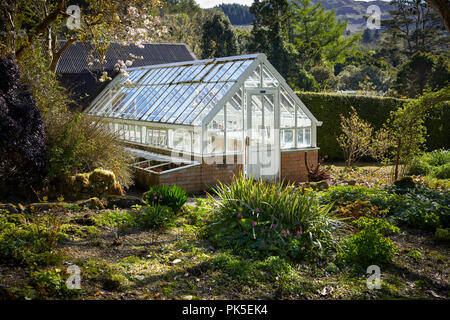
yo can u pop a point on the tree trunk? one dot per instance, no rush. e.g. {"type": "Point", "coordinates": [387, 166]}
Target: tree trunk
{"type": "Point", "coordinates": [397, 158]}
{"type": "Point", "coordinates": [442, 7]}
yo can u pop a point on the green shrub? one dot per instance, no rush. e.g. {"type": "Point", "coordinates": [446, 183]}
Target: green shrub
{"type": "Point", "coordinates": [369, 246]}
{"type": "Point", "coordinates": [171, 196]}
{"type": "Point", "coordinates": [418, 167]}
{"type": "Point", "coordinates": [421, 207]}
{"type": "Point", "coordinates": [328, 106]}
{"type": "Point", "coordinates": [442, 235]}
{"type": "Point", "coordinates": [438, 157]}
{"type": "Point", "coordinates": [159, 217]}
{"type": "Point", "coordinates": [435, 164]}
{"type": "Point", "coordinates": [77, 143]}
{"type": "Point", "coordinates": [270, 219]}
{"type": "Point", "coordinates": [29, 244]}
{"type": "Point", "coordinates": [442, 172]}
{"type": "Point", "coordinates": [52, 284]}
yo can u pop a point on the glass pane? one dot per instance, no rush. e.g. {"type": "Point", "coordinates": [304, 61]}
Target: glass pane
{"type": "Point", "coordinates": [303, 137]}
{"type": "Point", "coordinates": [240, 70]}
{"type": "Point", "coordinates": [216, 134]}
{"type": "Point", "coordinates": [254, 80]}
{"type": "Point", "coordinates": [269, 79]}
{"type": "Point", "coordinates": [287, 138]}
{"type": "Point", "coordinates": [302, 118]}
{"type": "Point", "coordinates": [234, 128]}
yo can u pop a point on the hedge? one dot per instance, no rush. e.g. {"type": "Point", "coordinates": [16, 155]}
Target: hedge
{"type": "Point", "coordinates": [327, 107]}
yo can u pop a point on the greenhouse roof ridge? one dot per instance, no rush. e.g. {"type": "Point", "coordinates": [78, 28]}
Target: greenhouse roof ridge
{"type": "Point", "coordinates": [187, 93]}
{"type": "Point", "coordinates": [203, 61]}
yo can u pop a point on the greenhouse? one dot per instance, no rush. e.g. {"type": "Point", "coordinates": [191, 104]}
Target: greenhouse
{"type": "Point", "coordinates": [238, 111]}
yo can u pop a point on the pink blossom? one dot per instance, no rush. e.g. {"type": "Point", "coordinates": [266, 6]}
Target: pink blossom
{"type": "Point", "coordinates": [254, 223]}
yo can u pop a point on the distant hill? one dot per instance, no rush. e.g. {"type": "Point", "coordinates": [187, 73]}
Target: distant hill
{"type": "Point", "coordinates": [350, 10]}
{"type": "Point", "coordinates": [355, 11]}
{"type": "Point", "coordinates": [238, 14]}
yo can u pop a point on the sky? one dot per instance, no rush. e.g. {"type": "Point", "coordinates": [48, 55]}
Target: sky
{"type": "Point", "coordinates": [212, 3]}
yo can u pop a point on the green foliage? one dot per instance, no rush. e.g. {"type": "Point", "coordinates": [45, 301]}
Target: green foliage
{"type": "Point", "coordinates": [171, 196]}
{"type": "Point", "coordinates": [422, 71]}
{"type": "Point", "coordinates": [31, 243]}
{"type": "Point", "coordinates": [436, 164]}
{"type": "Point", "coordinates": [420, 208]}
{"type": "Point", "coordinates": [270, 219]}
{"type": "Point", "coordinates": [52, 284]}
{"type": "Point", "coordinates": [218, 39]}
{"type": "Point", "coordinates": [407, 125]}
{"type": "Point", "coordinates": [442, 235]}
{"type": "Point", "coordinates": [313, 23]}
{"type": "Point", "coordinates": [156, 217]}
{"type": "Point", "coordinates": [369, 246]}
{"type": "Point", "coordinates": [146, 217]}
{"type": "Point", "coordinates": [327, 107]}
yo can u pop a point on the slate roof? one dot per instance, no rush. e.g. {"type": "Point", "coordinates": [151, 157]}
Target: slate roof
{"type": "Point", "coordinates": [74, 59]}
{"type": "Point", "coordinates": [84, 86]}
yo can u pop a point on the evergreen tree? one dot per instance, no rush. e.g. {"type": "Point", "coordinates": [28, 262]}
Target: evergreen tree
{"type": "Point", "coordinates": [312, 23]}
{"type": "Point", "coordinates": [218, 39]}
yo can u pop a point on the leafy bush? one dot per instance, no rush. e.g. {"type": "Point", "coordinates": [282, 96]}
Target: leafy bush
{"type": "Point", "coordinates": [421, 207]}
{"type": "Point", "coordinates": [270, 218]}
{"type": "Point", "coordinates": [159, 216]}
{"type": "Point", "coordinates": [328, 106]}
{"type": "Point", "coordinates": [435, 164]}
{"type": "Point", "coordinates": [369, 246]}
{"type": "Point", "coordinates": [442, 172]}
{"type": "Point", "coordinates": [77, 143]}
{"type": "Point", "coordinates": [171, 196]}
{"type": "Point", "coordinates": [51, 284]}
{"type": "Point", "coordinates": [22, 134]}
{"type": "Point", "coordinates": [442, 235]}
{"type": "Point", "coordinates": [31, 243]}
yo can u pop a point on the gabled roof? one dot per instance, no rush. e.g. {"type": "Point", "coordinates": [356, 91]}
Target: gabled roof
{"type": "Point", "coordinates": [184, 93]}
{"type": "Point", "coordinates": [75, 57]}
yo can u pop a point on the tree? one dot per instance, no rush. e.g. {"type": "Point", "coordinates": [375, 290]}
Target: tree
{"type": "Point", "coordinates": [442, 7]}
{"type": "Point", "coordinates": [407, 129]}
{"type": "Point", "coordinates": [422, 71]}
{"type": "Point", "coordinates": [22, 135]}
{"type": "Point", "coordinates": [100, 22]}
{"type": "Point", "coordinates": [218, 38]}
{"type": "Point", "coordinates": [270, 33]}
{"type": "Point", "coordinates": [313, 23]}
{"type": "Point", "coordinates": [416, 26]}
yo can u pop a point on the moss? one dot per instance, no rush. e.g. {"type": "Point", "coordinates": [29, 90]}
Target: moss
{"type": "Point", "coordinates": [79, 231]}
{"type": "Point", "coordinates": [405, 182]}
{"type": "Point", "coordinates": [92, 203]}
{"type": "Point", "coordinates": [442, 235]}
{"type": "Point", "coordinates": [45, 206]}
{"type": "Point", "coordinates": [16, 218]}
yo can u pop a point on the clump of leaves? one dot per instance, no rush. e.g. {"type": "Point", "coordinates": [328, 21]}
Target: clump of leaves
{"type": "Point", "coordinates": [357, 209]}
{"type": "Point", "coordinates": [52, 284]}
{"type": "Point", "coordinates": [156, 217]}
{"type": "Point", "coordinates": [369, 246]}
{"type": "Point", "coordinates": [171, 196]}
{"type": "Point", "coordinates": [32, 243]}
{"type": "Point", "coordinates": [270, 219]}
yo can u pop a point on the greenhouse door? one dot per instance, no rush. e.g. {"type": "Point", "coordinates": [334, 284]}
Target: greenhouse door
{"type": "Point", "coordinates": [262, 142]}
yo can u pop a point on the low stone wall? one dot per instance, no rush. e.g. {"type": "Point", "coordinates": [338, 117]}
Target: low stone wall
{"type": "Point", "coordinates": [199, 178]}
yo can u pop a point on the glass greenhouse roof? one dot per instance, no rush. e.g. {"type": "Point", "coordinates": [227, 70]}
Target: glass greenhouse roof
{"type": "Point", "coordinates": [178, 93]}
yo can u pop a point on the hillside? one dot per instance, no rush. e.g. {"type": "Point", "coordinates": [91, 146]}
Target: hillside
{"type": "Point", "coordinates": [350, 10]}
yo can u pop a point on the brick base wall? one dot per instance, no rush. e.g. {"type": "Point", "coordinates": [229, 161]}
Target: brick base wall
{"type": "Point", "coordinates": [194, 179]}
{"type": "Point", "coordinates": [212, 169]}
{"type": "Point", "coordinates": [293, 168]}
